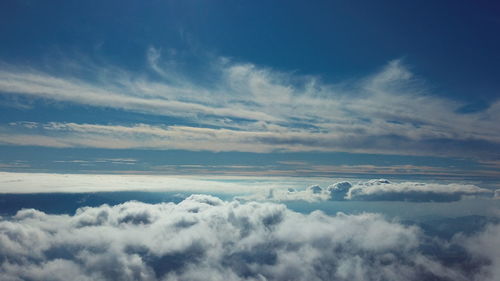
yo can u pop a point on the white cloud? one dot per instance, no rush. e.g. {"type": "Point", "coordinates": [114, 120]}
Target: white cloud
{"type": "Point", "coordinates": [485, 246]}
{"type": "Point", "coordinates": [378, 190]}
{"type": "Point", "coordinates": [49, 183]}
{"type": "Point", "coordinates": [251, 108]}
{"type": "Point", "coordinates": [205, 238]}
{"type": "Point", "coordinates": [247, 188]}
{"type": "Point", "coordinates": [413, 191]}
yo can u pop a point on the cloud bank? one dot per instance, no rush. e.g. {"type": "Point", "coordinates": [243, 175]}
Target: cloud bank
{"type": "Point", "coordinates": [379, 190]}
{"type": "Point", "coordinates": [272, 189]}
{"type": "Point", "coordinates": [80, 183]}
{"type": "Point", "coordinates": [250, 108]}
{"type": "Point", "coordinates": [205, 238]}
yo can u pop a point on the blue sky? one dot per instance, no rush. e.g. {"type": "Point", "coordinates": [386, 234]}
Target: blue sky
{"type": "Point", "coordinates": [397, 89]}
{"type": "Point", "coordinates": [249, 140]}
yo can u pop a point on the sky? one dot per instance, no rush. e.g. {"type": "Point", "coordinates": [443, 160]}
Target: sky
{"type": "Point", "coordinates": [249, 140]}
{"type": "Point", "coordinates": [396, 88]}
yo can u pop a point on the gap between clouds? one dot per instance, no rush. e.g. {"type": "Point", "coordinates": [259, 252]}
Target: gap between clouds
{"type": "Point", "coordinates": [256, 109]}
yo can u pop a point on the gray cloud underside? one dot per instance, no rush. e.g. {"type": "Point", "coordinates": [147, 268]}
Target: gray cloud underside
{"type": "Point", "coordinates": [378, 190]}
{"type": "Point", "coordinates": [204, 238]}
{"type": "Point", "coordinates": [248, 108]}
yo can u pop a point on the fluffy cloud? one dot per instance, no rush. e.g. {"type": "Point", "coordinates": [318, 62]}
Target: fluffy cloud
{"type": "Point", "coordinates": [251, 108]}
{"type": "Point", "coordinates": [205, 238]}
{"type": "Point", "coordinates": [484, 246]}
{"type": "Point", "coordinates": [413, 191]}
{"type": "Point", "coordinates": [380, 190]}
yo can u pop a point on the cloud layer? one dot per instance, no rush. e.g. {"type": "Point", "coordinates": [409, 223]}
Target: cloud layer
{"type": "Point", "coordinates": [379, 190]}
{"type": "Point", "coordinates": [273, 189]}
{"type": "Point", "coordinates": [204, 238]}
{"type": "Point", "coordinates": [251, 108]}
{"type": "Point", "coordinates": [78, 183]}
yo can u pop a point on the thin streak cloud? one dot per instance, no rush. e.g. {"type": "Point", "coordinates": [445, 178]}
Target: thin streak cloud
{"type": "Point", "coordinates": [249, 108]}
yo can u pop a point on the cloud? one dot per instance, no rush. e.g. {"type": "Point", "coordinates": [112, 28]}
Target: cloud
{"type": "Point", "coordinates": [412, 191]}
{"type": "Point", "coordinates": [338, 190]}
{"type": "Point", "coordinates": [252, 108]}
{"type": "Point", "coordinates": [485, 246]}
{"type": "Point", "coordinates": [380, 190]}
{"type": "Point", "coordinates": [205, 238]}
{"type": "Point", "coordinates": [77, 183]}
{"type": "Point", "coordinates": [245, 188]}
{"type": "Point", "coordinates": [18, 183]}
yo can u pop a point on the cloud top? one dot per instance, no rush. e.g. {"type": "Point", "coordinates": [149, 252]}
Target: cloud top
{"type": "Point", "coordinates": [205, 238]}
{"type": "Point", "coordinates": [383, 190]}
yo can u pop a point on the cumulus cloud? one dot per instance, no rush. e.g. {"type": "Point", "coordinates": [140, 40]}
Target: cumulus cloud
{"type": "Point", "coordinates": [413, 191]}
{"type": "Point", "coordinates": [205, 238]}
{"type": "Point", "coordinates": [381, 190]}
{"type": "Point", "coordinates": [485, 246]}
{"type": "Point", "coordinates": [252, 108]}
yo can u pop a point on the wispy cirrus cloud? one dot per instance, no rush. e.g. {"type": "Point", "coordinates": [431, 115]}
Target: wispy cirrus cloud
{"type": "Point", "coordinates": [251, 139]}
{"type": "Point", "coordinates": [251, 108]}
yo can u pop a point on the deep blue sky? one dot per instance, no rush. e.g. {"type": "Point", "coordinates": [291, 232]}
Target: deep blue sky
{"type": "Point", "coordinates": [449, 48]}
{"type": "Point", "coordinates": [453, 44]}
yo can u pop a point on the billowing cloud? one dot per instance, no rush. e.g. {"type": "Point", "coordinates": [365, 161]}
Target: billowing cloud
{"type": "Point", "coordinates": [381, 190]}
{"type": "Point", "coordinates": [485, 246]}
{"type": "Point", "coordinates": [205, 238]}
{"type": "Point", "coordinates": [252, 108]}
{"type": "Point", "coordinates": [413, 191]}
